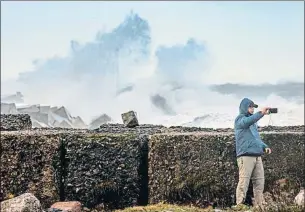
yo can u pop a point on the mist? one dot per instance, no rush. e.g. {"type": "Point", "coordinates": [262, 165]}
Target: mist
{"type": "Point", "coordinates": [118, 71]}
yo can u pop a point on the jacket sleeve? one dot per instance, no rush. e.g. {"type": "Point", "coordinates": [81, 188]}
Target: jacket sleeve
{"type": "Point", "coordinates": [245, 122]}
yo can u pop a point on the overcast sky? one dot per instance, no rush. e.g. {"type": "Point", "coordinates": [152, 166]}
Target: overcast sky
{"type": "Point", "coordinates": [249, 41]}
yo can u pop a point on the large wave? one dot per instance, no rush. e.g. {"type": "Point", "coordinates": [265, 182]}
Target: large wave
{"type": "Point", "coordinates": [118, 71]}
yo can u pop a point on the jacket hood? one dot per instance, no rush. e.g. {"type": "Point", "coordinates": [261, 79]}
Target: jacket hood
{"type": "Point", "coordinates": [244, 105]}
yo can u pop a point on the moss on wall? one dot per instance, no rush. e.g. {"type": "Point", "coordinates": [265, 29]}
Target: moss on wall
{"type": "Point", "coordinates": [200, 168]}
{"type": "Point", "coordinates": [27, 161]}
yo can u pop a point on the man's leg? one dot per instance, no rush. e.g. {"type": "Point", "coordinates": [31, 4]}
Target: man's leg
{"type": "Point", "coordinates": [245, 165]}
{"type": "Point", "coordinates": [258, 179]}
{"type": "Point", "coordinates": [249, 199]}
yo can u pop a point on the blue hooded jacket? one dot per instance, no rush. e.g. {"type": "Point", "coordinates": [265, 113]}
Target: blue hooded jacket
{"type": "Point", "coordinates": [247, 138]}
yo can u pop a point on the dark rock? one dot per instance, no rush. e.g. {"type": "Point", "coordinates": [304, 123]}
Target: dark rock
{"type": "Point", "coordinates": [11, 122]}
{"type": "Point", "coordinates": [130, 119]}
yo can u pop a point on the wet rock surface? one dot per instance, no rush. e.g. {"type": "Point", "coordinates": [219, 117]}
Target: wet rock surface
{"type": "Point", "coordinates": [11, 122]}
{"type": "Point", "coordinates": [198, 129]}
{"type": "Point", "coordinates": [103, 169]}
{"type": "Point", "coordinates": [23, 203]}
{"type": "Point", "coordinates": [200, 168]}
{"type": "Point", "coordinates": [108, 167]}
{"type": "Point", "coordinates": [298, 128]}
{"type": "Point", "coordinates": [144, 129]}
{"type": "Point", "coordinates": [282, 197]}
{"type": "Point", "coordinates": [27, 165]}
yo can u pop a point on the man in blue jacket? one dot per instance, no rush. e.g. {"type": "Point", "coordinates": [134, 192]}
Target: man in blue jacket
{"type": "Point", "coordinates": [249, 149]}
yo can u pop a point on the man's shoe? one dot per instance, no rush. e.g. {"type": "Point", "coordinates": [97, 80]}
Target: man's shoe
{"type": "Point", "coordinates": [240, 207]}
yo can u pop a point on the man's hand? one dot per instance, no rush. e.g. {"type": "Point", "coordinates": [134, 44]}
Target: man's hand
{"type": "Point", "coordinates": [268, 150]}
{"type": "Point", "coordinates": [265, 110]}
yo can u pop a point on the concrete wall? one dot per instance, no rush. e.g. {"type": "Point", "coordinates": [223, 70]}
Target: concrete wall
{"type": "Point", "coordinates": [137, 166]}
{"type": "Point", "coordinates": [200, 168]}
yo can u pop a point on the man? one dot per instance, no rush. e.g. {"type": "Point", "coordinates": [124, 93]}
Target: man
{"type": "Point", "coordinates": [249, 149]}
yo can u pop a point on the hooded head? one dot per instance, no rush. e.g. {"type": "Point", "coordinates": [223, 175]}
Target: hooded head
{"type": "Point", "coordinates": [244, 106]}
